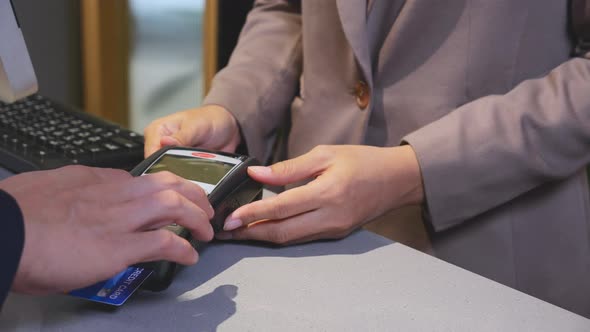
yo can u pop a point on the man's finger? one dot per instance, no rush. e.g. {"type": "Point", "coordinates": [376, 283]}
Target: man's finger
{"type": "Point", "coordinates": [137, 187]}
{"type": "Point", "coordinates": [67, 178]}
{"type": "Point", "coordinates": [160, 209]}
{"type": "Point", "coordinates": [78, 175]}
{"type": "Point", "coordinates": [159, 245]}
{"type": "Point", "coordinates": [284, 205]}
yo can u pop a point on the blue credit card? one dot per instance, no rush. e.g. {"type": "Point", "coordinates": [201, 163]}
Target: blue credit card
{"type": "Point", "coordinates": [117, 290]}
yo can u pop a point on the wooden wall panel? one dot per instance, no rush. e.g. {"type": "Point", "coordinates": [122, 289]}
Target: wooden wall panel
{"type": "Point", "coordinates": [210, 33]}
{"type": "Point", "coordinates": [105, 58]}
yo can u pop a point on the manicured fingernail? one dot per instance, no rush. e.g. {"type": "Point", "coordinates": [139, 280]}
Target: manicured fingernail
{"type": "Point", "coordinates": [224, 236]}
{"type": "Point", "coordinates": [260, 170]}
{"type": "Point", "coordinates": [232, 224]}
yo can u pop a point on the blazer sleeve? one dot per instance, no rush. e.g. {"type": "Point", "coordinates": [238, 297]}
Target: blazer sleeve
{"type": "Point", "coordinates": [496, 148]}
{"type": "Point", "coordinates": [261, 79]}
{"type": "Point", "coordinates": [12, 239]}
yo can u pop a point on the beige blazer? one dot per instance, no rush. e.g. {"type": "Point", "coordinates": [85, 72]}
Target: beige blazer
{"type": "Point", "coordinates": [484, 90]}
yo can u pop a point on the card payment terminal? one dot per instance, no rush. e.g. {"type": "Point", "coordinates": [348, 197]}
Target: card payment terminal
{"type": "Point", "coordinates": [222, 175]}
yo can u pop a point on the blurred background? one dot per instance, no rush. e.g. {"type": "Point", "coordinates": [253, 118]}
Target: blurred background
{"type": "Point", "coordinates": [130, 61]}
{"type": "Point", "coordinates": [166, 58]}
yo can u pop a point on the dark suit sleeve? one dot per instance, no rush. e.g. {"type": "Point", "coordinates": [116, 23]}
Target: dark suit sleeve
{"type": "Point", "coordinates": [12, 238]}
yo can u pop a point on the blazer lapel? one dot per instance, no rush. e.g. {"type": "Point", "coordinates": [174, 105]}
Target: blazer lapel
{"type": "Point", "coordinates": [353, 15]}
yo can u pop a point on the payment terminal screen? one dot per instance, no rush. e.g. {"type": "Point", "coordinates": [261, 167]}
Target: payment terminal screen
{"type": "Point", "coordinates": [191, 168]}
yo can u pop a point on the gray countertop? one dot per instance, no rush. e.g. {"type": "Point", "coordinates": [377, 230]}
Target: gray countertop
{"type": "Point", "coordinates": [362, 283]}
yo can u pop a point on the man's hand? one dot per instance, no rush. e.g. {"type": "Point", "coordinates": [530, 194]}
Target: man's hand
{"type": "Point", "coordinates": [350, 185]}
{"type": "Point", "coordinates": [210, 127]}
{"type": "Point", "coordinates": [84, 225]}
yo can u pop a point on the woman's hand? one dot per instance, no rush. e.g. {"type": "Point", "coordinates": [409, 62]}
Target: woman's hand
{"type": "Point", "coordinates": [350, 185]}
{"type": "Point", "coordinates": [210, 127]}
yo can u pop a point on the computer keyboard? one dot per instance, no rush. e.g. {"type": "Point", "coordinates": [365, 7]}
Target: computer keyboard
{"type": "Point", "coordinates": [37, 133]}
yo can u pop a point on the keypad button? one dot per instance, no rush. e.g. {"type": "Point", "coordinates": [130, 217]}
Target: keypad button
{"type": "Point", "coordinates": [111, 147]}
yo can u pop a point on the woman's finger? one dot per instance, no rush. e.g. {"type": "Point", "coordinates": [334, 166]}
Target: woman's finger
{"type": "Point", "coordinates": [284, 205]}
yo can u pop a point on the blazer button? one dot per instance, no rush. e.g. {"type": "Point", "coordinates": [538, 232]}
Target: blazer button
{"type": "Point", "coordinates": [363, 95]}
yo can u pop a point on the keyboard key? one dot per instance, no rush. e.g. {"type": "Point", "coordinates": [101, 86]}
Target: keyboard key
{"type": "Point", "coordinates": [68, 147]}
{"type": "Point", "coordinates": [42, 139]}
{"type": "Point", "coordinates": [79, 156]}
{"type": "Point", "coordinates": [41, 155]}
{"type": "Point", "coordinates": [24, 147]}
{"type": "Point", "coordinates": [35, 133]}
{"type": "Point", "coordinates": [55, 144]}
{"type": "Point", "coordinates": [125, 142]}
{"type": "Point", "coordinates": [76, 152]}
{"type": "Point", "coordinates": [111, 147]}
{"type": "Point", "coordinates": [94, 139]}
{"type": "Point", "coordinates": [95, 149]}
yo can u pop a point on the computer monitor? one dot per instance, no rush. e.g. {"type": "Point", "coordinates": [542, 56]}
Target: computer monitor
{"type": "Point", "coordinates": [17, 76]}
